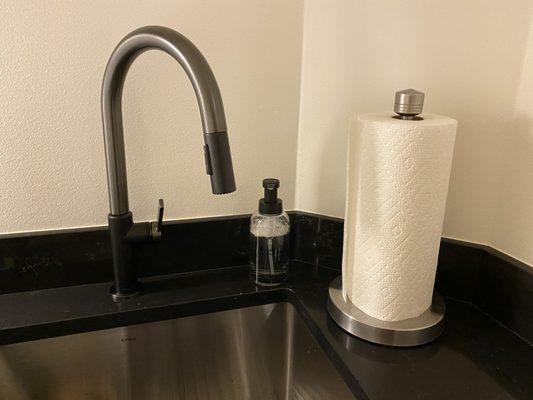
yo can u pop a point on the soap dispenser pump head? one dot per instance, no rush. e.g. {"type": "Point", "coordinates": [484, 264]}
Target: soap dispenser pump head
{"type": "Point", "coordinates": [271, 204]}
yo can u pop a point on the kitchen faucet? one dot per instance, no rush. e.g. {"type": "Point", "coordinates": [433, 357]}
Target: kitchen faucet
{"type": "Point", "coordinates": [124, 233]}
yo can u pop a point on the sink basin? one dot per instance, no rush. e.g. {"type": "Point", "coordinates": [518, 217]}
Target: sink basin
{"type": "Point", "coordinates": [261, 352]}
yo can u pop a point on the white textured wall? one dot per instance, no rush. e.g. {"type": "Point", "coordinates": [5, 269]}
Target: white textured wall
{"type": "Point", "coordinates": [473, 60]}
{"type": "Point", "coordinates": [468, 57]}
{"type": "Point", "coordinates": [52, 58]}
{"type": "Point", "coordinates": [513, 223]}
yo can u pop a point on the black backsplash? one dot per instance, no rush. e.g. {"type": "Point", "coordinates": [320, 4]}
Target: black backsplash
{"type": "Point", "coordinates": [79, 257]}
{"type": "Point", "coordinates": [497, 284]}
{"type": "Point", "coordinates": [56, 259]}
{"type": "Point", "coordinates": [505, 291]}
{"type": "Point", "coordinates": [317, 240]}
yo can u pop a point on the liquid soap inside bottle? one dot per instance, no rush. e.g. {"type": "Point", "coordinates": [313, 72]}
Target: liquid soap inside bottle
{"type": "Point", "coordinates": [269, 239]}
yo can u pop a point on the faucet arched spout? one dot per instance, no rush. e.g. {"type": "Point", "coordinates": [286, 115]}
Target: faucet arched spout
{"type": "Point", "coordinates": [218, 158]}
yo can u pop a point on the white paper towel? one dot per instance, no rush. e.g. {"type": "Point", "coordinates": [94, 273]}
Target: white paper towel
{"type": "Point", "coordinates": [398, 174]}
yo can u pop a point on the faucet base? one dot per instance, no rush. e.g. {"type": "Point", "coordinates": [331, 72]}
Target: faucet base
{"type": "Point", "coordinates": [125, 294]}
{"type": "Point", "coordinates": [126, 283]}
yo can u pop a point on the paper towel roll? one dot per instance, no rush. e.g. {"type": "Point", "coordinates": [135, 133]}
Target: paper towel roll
{"type": "Point", "coordinates": [398, 174]}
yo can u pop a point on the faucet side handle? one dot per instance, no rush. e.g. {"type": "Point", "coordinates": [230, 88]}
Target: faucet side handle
{"type": "Point", "coordinates": [155, 226]}
{"type": "Point", "coordinates": [144, 231]}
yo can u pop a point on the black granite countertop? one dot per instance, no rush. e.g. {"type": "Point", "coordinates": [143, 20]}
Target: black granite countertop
{"type": "Point", "coordinates": [475, 358]}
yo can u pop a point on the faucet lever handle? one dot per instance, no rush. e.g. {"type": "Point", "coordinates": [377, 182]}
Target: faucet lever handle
{"type": "Point", "coordinates": [155, 227]}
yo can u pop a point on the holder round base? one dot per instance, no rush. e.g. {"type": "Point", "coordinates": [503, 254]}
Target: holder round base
{"type": "Point", "coordinates": [408, 332]}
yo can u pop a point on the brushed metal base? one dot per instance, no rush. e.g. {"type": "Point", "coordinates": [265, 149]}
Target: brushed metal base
{"type": "Point", "coordinates": [408, 332]}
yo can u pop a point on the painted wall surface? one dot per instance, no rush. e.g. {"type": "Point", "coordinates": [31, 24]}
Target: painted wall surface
{"type": "Point", "coordinates": [285, 94]}
{"type": "Point", "coordinates": [468, 57]}
{"type": "Point", "coordinates": [53, 55]}
{"type": "Point", "coordinates": [513, 223]}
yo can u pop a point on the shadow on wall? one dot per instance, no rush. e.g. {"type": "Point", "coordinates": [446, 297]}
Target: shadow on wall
{"type": "Point", "coordinates": [335, 149]}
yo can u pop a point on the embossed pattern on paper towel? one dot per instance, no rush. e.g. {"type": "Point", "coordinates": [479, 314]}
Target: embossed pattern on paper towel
{"type": "Point", "coordinates": [402, 171]}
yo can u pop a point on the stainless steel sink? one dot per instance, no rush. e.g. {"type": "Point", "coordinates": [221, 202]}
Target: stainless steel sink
{"type": "Point", "coordinates": [262, 352]}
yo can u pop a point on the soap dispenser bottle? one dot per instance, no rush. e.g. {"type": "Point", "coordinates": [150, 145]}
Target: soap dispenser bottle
{"type": "Point", "coordinates": [269, 238]}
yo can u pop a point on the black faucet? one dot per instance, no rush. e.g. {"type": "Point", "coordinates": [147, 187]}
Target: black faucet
{"type": "Point", "coordinates": [124, 233]}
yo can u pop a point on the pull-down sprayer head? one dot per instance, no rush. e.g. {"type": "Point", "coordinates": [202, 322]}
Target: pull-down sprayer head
{"type": "Point", "coordinates": [218, 162]}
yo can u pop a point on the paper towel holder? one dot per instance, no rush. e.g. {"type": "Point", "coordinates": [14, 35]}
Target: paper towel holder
{"type": "Point", "coordinates": [405, 333]}
{"type": "Point", "coordinates": [408, 104]}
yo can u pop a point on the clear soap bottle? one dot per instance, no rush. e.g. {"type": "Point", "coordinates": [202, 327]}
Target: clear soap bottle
{"type": "Point", "coordinates": [269, 238]}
